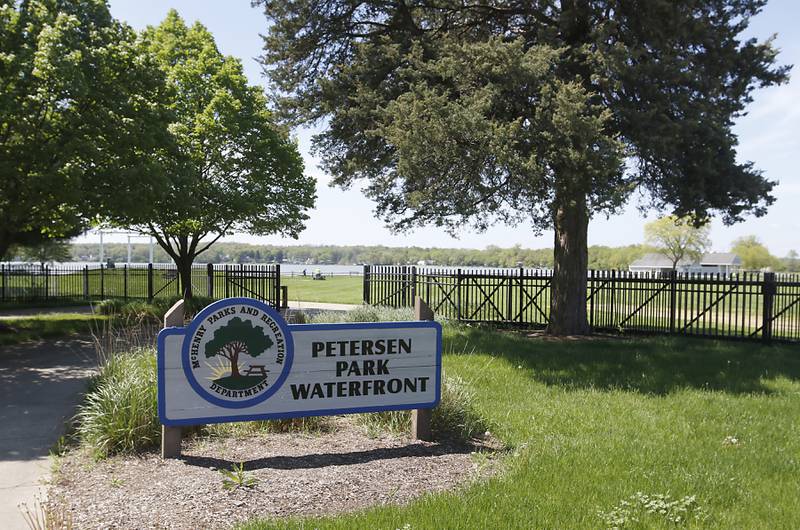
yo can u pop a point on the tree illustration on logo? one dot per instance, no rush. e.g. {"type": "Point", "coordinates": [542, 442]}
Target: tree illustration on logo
{"type": "Point", "coordinates": [233, 339]}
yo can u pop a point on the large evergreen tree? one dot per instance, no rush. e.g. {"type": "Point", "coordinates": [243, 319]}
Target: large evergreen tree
{"type": "Point", "coordinates": [80, 124]}
{"type": "Point", "coordinates": [527, 111]}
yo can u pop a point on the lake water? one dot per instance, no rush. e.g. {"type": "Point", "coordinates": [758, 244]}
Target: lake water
{"type": "Point", "coordinates": [287, 269]}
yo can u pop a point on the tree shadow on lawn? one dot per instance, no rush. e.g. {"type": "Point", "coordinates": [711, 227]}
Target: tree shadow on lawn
{"type": "Point", "coordinates": [317, 460]}
{"type": "Point", "coordinates": [652, 365]}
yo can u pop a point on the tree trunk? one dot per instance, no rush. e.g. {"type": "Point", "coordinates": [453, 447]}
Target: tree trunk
{"type": "Point", "coordinates": [235, 364]}
{"type": "Point", "coordinates": [571, 260]}
{"type": "Point", "coordinates": [184, 266]}
{"type": "Point", "coordinates": [5, 244]}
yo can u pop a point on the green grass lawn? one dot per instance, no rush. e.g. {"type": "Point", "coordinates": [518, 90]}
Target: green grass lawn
{"type": "Point", "coordinates": [47, 326]}
{"type": "Point", "coordinates": [335, 289]}
{"type": "Point", "coordinates": [591, 423]}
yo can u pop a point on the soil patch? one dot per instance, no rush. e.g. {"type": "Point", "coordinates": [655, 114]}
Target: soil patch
{"type": "Point", "coordinates": [296, 474]}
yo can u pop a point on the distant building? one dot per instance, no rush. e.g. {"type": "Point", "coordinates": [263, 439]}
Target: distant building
{"type": "Point", "coordinates": [713, 262]}
{"type": "Point", "coordinates": [721, 262]}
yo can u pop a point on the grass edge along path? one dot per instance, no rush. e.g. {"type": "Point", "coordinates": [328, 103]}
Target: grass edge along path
{"type": "Point", "coordinates": [48, 326]}
{"type": "Point", "coordinates": [611, 433]}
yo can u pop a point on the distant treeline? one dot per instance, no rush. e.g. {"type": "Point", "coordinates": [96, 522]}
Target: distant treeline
{"type": "Point", "coordinates": [599, 257]}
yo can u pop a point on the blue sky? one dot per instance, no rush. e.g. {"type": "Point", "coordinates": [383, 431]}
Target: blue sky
{"type": "Point", "coordinates": [768, 136]}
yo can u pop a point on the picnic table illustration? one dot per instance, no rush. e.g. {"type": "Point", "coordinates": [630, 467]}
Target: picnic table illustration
{"type": "Point", "coordinates": [257, 369]}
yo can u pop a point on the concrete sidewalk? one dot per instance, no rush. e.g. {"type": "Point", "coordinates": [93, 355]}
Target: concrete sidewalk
{"type": "Point", "coordinates": [40, 386]}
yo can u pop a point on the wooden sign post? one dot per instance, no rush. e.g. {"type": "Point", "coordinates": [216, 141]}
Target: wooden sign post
{"type": "Point", "coordinates": [171, 436]}
{"type": "Point", "coordinates": [421, 418]}
{"type": "Point", "coordinates": [238, 360]}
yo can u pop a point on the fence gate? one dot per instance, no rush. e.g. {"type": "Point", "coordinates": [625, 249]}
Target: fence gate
{"type": "Point", "coordinates": [389, 285]}
{"type": "Point", "coordinates": [781, 309]}
{"type": "Point", "coordinates": [262, 282]}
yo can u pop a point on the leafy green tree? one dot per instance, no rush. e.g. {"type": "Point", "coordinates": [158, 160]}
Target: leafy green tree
{"type": "Point", "coordinates": [234, 169]}
{"type": "Point", "coordinates": [755, 255]}
{"type": "Point", "coordinates": [518, 111]}
{"type": "Point", "coordinates": [235, 338]}
{"type": "Point", "coordinates": [677, 239]}
{"type": "Point", "coordinates": [54, 250]}
{"type": "Point", "coordinates": [792, 261]}
{"type": "Point", "coordinates": [79, 120]}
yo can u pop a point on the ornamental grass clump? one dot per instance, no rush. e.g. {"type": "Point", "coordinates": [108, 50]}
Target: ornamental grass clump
{"type": "Point", "coordinates": [120, 413]}
{"type": "Point", "coordinates": [454, 419]}
{"type": "Point", "coordinates": [364, 314]}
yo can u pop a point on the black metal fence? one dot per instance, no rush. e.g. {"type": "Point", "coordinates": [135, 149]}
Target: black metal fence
{"type": "Point", "coordinates": [70, 283]}
{"type": "Point", "coordinates": [744, 305]}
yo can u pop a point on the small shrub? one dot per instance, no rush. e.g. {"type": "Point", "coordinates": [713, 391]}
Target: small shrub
{"type": "Point", "coordinates": [455, 418]}
{"type": "Point", "coordinates": [135, 312]}
{"type": "Point", "coordinates": [138, 312]}
{"type": "Point", "coordinates": [120, 411]}
{"type": "Point", "coordinates": [112, 306]}
{"type": "Point", "coordinates": [296, 317]}
{"type": "Point", "coordinates": [191, 307]}
{"type": "Point", "coordinates": [131, 312]}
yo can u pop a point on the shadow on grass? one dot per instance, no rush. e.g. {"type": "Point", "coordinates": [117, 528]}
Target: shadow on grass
{"type": "Point", "coordinates": [317, 460]}
{"type": "Point", "coordinates": [653, 365]}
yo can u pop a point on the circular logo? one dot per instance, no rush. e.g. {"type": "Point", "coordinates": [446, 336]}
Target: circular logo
{"type": "Point", "coordinates": [237, 352]}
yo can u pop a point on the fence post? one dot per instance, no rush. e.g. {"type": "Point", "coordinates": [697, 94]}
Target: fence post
{"type": "Point", "coordinates": [458, 294]}
{"type": "Point", "coordinates": [171, 436]}
{"type": "Point", "coordinates": [509, 296]}
{"type": "Point", "coordinates": [403, 286]}
{"type": "Point", "coordinates": [521, 290]}
{"type": "Point", "coordinates": [125, 281]}
{"type": "Point", "coordinates": [613, 319]}
{"type": "Point", "coordinates": [226, 282]}
{"type": "Point", "coordinates": [210, 276]}
{"type": "Point", "coordinates": [278, 290]}
{"type": "Point", "coordinates": [86, 282]}
{"type": "Point", "coordinates": [421, 418]}
{"type": "Point", "coordinates": [149, 282]}
{"type": "Point", "coordinates": [673, 298]}
{"type": "Point", "coordinates": [102, 282]}
{"type": "Point", "coordinates": [46, 272]}
{"type": "Point", "coordinates": [366, 284]}
{"type": "Point", "coordinates": [768, 290]}
{"type": "Point", "coordinates": [591, 298]}
{"type": "Point", "coordinates": [3, 288]}
{"type": "Point", "coordinates": [414, 283]}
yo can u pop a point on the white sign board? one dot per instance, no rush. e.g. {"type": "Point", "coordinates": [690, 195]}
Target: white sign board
{"type": "Point", "coordinates": [239, 360]}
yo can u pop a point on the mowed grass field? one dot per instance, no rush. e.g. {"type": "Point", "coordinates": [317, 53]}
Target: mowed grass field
{"type": "Point", "coordinates": [334, 289]}
{"type": "Point", "coordinates": [703, 434]}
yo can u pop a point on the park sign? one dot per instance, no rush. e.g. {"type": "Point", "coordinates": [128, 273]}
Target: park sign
{"type": "Point", "coordinates": [239, 360]}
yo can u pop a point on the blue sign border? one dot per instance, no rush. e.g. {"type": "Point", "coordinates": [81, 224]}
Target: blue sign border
{"type": "Point", "coordinates": [319, 412]}
{"type": "Point", "coordinates": [198, 321]}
